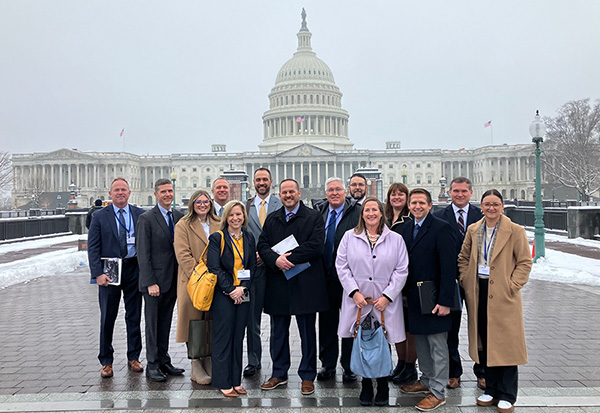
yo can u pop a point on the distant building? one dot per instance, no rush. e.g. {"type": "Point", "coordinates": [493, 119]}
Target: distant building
{"type": "Point", "coordinates": [306, 137]}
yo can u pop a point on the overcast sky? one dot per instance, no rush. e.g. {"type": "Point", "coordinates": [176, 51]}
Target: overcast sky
{"type": "Point", "coordinates": [179, 76]}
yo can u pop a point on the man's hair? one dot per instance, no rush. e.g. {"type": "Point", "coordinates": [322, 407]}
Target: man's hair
{"type": "Point", "coordinates": [98, 202]}
{"type": "Point", "coordinates": [291, 180]}
{"type": "Point", "coordinates": [160, 182]}
{"type": "Point", "coordinates": [218, 179]}
{"type": "Point", "coordinates": [461, 180]}
{"type": "Point", "coordinates": [335, 179]}
{"type": "Point", "coordinates": [262, 168]}
{"type": "Point", "coordinates": [360, 176]}
{"type": "Point", "coordinates": [420, 191]}
{"type": "Point", "coordinates": [119, 178]}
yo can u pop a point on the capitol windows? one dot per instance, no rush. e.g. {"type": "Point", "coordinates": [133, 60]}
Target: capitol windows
{"type": "Point", "coordinates": [418, 178]}
{"type": "Point", "coordinates": [429, 165]}
{"type": "Point", "coordinates": [286, 100]}
{"type": "Point", "coordinates": [182, 169]}
{"type": "Point", "coordinates": [311, 98]}
{"type": "Point", "coordinates": [194, 184]}
{"type": "Point", "coordinates": [194, 169]}
{"type": "Point", "coordinates": [391, 166]}
{"type": "Point", "coordinates": [304, 98]}
{"type": "Point", "coordinates": [208, 182]}
{"type": "Point", "coordinates": [183, 183]}
{"type": "Point", "coordinates": [429, 179]}
{"type": "Point", "coordinates": [292, 100]}
{"type": "Point", "coordinates": [317, 99]}
{"type": "Point", "coordinates": [418, 165]}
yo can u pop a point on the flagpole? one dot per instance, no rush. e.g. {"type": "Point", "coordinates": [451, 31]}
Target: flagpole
{"type": "Point", "coordinates": [492, 133]}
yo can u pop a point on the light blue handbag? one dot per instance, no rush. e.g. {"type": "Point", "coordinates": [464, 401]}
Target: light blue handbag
{"type": "Point", "coordinates": [371, 356]}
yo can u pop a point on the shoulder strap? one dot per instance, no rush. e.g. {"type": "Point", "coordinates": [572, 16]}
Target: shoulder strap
{"type": "Point", "coordinates": [222, 241]}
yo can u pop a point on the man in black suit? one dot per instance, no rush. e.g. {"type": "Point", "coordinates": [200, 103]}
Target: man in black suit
{"type": "Point", "coordinates": [302, 295]}
{"type": "Point", "coordinates": [339, 216]}
{"type": "Point", "coordinates": [220, 191]}
{"type": "Point", "coordinates": [112, 235]}
{"type": "Point", "coordinates": [158, 279]}
{"type": "Point", "coordinates": [460, 214]}
{"type": "Point", "coordinates": [431, 246]}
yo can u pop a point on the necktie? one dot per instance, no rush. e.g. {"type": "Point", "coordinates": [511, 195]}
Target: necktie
{"type": "Point", "coordinates": [328, 253]}
{"type": "Point", "coordinates": [262, 214]}
{"type": "Point", "coordinates": [416, 231]}
{"type": "Point", "coordinates": [171, 224]}
{"type": "Point", "coordinates": [221, 211]}
{"type": "Point", "coordinates": [289, 216]}
{"type": "Point", "coordinates": [461, 222]}
{"type": "Point", "coordinates": [122, 235]}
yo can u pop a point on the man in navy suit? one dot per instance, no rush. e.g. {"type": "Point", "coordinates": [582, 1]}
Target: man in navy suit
{"type": "Point", "coordinates": [460, 214]}
{"type": "Point", "coordinates": [258, 207]}
{"type": "Point", "coordinates": [431, 246]}
{"type": "Point", "coordinates": [158, 279]}
{"type": "Point", "coordinates": [112, 235]}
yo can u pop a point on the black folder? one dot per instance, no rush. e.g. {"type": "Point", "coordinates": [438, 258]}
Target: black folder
{"type": "Point", "coordinates": [428, 297]}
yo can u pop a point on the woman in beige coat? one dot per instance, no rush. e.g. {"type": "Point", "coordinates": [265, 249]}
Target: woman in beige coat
{"type": "Point", "coordinates": [191, 237]}
{"type": "Point", "coordinates": [494, 264]}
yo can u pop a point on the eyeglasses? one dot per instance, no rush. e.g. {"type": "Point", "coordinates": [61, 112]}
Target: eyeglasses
{"type": "Point", "coordinates": [331, 190]}
{"type": "Point", "coordinates": [490, 205]}
{"type": "Point", "coordinates": [201, 202]}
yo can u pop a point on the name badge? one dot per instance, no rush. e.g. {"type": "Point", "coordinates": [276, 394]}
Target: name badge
{"type": "Point", "coordinates": [483, 271]}
{"type": "Point", "coordinates": [130, 240]}
{"type": "Point", "coordinates": [243, 275]}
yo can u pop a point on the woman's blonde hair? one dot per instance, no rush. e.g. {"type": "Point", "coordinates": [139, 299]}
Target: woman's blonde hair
{"type": "Point", "coordinates": [227, 210]}
{"type": "Point", "coordinates": [361, 221]}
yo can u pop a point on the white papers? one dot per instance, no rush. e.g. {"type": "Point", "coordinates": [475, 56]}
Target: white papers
{"type": "Point", "coordinates": [112, 268]}
{"type": "Point", "coordinates": [285, 245]}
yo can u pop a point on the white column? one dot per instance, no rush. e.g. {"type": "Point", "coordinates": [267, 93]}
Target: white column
{"type": "Point", "coordinates": [310, 180]}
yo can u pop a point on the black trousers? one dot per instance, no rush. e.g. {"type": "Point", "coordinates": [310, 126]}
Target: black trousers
{"type": "Point", "coordinates": [280, 346]}
{"type": "Point", "coordinates": [109, 298]}
{"type": "Point", "coordinates": [158, 312]}
{"type": "Point", "coordinates": [328, 326]}
{"type": "Point", "coordinates": [257, 300]}
{"type": "Point", "coordinates": [502, 382]}
{"type": "Point", "coordinates": [456, 369]}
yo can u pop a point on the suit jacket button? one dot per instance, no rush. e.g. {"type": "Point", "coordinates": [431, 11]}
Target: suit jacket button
{"type": "Point", "coordinates": [491, 281]}
{"type": "Point", "coordinates": [491, 296]}
{"type": "Point", "coordinates": [374, 256]}
{"type": "Point", "coordinates": [370, 278]}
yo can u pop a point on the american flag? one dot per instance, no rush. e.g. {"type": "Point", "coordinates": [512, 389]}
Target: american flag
{"type": "Point", "coordinates": [300, 119]}
{"type": "Point", "coordinates": [122, 132]}
{"type": "Point", "coordinates": [485, 125]}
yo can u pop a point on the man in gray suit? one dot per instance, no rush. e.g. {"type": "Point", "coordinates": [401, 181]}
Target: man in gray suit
{"type": "Point", "coordinates": [258, 207]}
{"type": "Point", "coordinates": [158, 279]}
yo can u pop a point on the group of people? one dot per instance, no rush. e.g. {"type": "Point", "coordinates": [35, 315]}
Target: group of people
{"type": "Point", "coordinates": [349, 252]}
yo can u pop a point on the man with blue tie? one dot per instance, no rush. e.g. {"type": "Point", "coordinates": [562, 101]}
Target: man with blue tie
{"type": "Point", "coordinates": [112, 235]}
{"type": "Point", "coordinates": [220, 191]}
{"type": "Point", "coordinates": [158, 279]}
{"type": "Point", "coordinates": [460, 214]}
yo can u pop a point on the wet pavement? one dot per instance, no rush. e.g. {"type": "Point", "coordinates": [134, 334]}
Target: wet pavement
{"type": "Point", "coordinates": [49, 344]}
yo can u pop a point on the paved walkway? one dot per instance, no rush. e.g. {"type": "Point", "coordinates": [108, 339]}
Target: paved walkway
{"type": "Point", "coordinates": [49, 345]}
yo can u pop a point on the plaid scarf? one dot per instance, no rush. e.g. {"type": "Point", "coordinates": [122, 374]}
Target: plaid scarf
{"type": "Point", "coordinates": [480, 238]}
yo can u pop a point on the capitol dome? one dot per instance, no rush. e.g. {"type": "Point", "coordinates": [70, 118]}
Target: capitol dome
{"type": "Point", "coordinates": [305, 104]}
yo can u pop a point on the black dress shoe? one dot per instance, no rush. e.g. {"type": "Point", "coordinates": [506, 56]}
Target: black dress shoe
{"type": "Point", "coordinates": [407, 376]}
{"type": "Point", "coordinates": [171, 370]}
{"type": "Point", "coordinates": [325, 374]}
{"type": "Point", "coordinates": [366, 392]}
{"type": "Point", "coordinates": [382, 398]}
{"type": "Point", "coordinates": [155, 375]}
{"type": "Point", "coordinates": [250, 371]}
{"type": "Point", "coordinates": [348, 376]}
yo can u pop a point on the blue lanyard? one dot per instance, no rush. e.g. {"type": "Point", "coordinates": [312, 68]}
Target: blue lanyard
{"type": "Point", "coordinates": [119, 221]}
{"type": "Point", "coordinates": [486, 248]}
{"type": "Point", "coordinates": [238, 251]}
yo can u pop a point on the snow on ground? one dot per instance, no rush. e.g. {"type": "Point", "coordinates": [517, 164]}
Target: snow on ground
{"type": "Point", "coordinates": [590, 243]}
{"type": "Point", "coordinates": [557, 266]}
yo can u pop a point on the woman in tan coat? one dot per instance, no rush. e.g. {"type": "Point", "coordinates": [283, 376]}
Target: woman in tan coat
{"type": "Point", "coordinates": [191, 237]}
{"type": "Point", "coordinates": [494, 264]}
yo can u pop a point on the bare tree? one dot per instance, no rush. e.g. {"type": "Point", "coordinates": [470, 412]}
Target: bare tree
{"type": "Point", "coordinates": [572, 153]}
{"type": "Point", "coordinates": [5, 171]}
{"type": "Point", "coordinates": [36, 186]}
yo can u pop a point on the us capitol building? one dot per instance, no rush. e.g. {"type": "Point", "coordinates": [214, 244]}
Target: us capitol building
{"type": "Point", "coordinates": [306, 137]}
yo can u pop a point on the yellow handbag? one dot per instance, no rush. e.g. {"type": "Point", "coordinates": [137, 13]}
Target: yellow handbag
{"type": "Point", "coordinates": [201, 286]}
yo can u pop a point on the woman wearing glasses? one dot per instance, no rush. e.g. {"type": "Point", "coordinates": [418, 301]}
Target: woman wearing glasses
{"type": "Point", "coordinates": [494, 265]}
{"type": "Point", "coordinates": [191, 237]}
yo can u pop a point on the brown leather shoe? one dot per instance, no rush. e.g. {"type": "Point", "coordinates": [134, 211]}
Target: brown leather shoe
{"type": "Point", "coordinates": [429, 403]}
{"type": "Point", "coordinates": [453, 382]}
{"type": "Point", "coordinates": [481, 383]}
{"type": "Point", "coordinates": [415, 388]}
{"type": "Point", "coordinates": [107, 371]}
{"type": "Point", "coordinates": [308, 387]}
{"type": "Point", "coordinates": [273, 383]}
{"type": "Point", "coordinates": [135, 365]}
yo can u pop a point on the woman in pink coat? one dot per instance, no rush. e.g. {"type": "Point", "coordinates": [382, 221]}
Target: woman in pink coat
{"type": "Point", "coordinates": [372, 261]}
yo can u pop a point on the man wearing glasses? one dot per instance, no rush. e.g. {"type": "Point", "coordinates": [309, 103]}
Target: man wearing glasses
{"type": "Point", "coordinates": [358, 187]}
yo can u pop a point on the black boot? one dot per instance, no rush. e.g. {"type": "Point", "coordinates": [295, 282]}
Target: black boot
{"type": "Point", "coordinates": [408, 375]}
{"type": "Point", "coordinates": [366, 393]}
{"type": "Point", "coordinates": [397, 370]}
{"type": "Point", "coordinates": [383, 392]}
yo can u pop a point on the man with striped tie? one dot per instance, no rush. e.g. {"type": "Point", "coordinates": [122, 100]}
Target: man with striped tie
{"type": "Point", "coordinates": [460, 214]}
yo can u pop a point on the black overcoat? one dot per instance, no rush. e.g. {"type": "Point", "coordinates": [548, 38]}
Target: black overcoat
{"type": "Point", "coordinates": [305, 293]}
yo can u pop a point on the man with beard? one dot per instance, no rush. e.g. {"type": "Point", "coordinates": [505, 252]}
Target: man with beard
{"type": "Point", "coordinates": [258, 207]}
{"type": "Point", "coordinates": [358, 188]}
{"type": "Point", "coordinates": [301, 295]}
{"type": "Point", "coordinates": [220, 191]}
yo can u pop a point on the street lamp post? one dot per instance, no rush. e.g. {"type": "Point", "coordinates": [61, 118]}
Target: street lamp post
{"type": "Point", "coordinates": [173, 179]}
{"type": "Point", "coordinates": [537, 129]}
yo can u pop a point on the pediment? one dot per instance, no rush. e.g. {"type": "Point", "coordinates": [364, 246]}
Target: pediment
{"type": "Point", "coordinates": [64, 153]}
{"type": "Point", "coordinates": [304, 150]}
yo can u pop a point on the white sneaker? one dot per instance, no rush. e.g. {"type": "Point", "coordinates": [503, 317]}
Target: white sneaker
{"type": "Point", "coordinates": [505, 407]}
{"type": "Point", "coordinates": [486, 400]}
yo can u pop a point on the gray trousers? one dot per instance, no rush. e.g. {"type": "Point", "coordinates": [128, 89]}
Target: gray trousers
{"type": "Point", "coordinates": [432, 353]}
